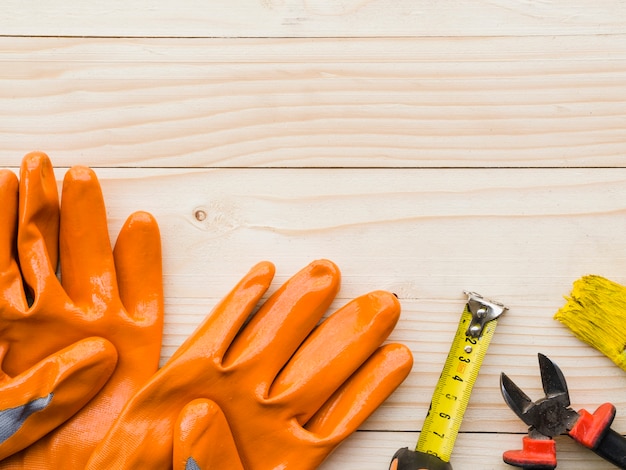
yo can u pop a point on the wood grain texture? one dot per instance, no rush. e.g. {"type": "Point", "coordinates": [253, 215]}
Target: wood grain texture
{"type": "Point", "coordinates": [310, 18]}
{"type": "Point", "coordinates": [425, 147]}
{"type": "Point", "coordinates": [380, 102]}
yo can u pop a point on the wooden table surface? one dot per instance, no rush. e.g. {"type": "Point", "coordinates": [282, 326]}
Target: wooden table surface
{"type": "Point", "coordinates": [425, 147]}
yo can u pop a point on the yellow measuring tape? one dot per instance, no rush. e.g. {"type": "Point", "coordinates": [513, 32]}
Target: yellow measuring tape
{"type": "Point", "coordinates": [475, 330]}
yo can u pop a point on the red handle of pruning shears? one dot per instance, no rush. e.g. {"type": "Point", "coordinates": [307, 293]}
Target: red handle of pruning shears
{"type": "Point", "coordinates": [536, 454]}
{"type": "Point", "coordinates": [594, 432]}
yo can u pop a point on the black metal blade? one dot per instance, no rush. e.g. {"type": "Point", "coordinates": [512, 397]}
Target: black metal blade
{"type": "Point", "coordinates": [553, 381]}
{"type": "Point", "coordinates": [517, 400]}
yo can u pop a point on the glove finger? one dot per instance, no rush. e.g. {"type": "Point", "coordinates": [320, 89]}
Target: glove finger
{"type": "Point", "coordinates": [286, 319]}
{"type": "Point", "coordinates": [334, 351]}
{"type": "Point", "coordinates": [87, 267]}
{"type": "Point", "coordinates": [53, 390]}
{"type": "Point", "coordinates": [13, 291]}
{"type": "Point", "coordinates": [203, 440]}
{"type": "Point", "coordinates": [365, 391]}
{"type": "Point", "coordinates": [213, 337]}
{"type": "Point", "coordinates": [138, 264]}
{"type": "Point", "coordinates": [38, 226]}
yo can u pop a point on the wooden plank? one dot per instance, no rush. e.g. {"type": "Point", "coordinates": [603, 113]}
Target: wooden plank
{"type": "Point", "coordinates": [311, 18]}
{"type": "Point", "coordinates": [429, 102]}
{"type": "Point", "coordinates": [520, 237]}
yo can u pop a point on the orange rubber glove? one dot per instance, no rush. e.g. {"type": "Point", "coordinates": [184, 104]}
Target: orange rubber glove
{"type": "Point", "coordinates": [46, 395]}
{"type": "Point", "coordinates": [116, 295]}
{"type": "Point", "coordinates": [291, 391]}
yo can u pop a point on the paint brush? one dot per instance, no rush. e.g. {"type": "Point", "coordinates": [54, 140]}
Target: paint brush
{"type": "Point", "coordinates": [595, 312]}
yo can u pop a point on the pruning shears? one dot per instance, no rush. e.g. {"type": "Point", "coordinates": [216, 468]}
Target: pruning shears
{"type": "Point", "coordinates": [551, 416]}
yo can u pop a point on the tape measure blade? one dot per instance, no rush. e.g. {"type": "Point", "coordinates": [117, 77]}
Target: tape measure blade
{"type": "Point", "coordinates": [453, 390]}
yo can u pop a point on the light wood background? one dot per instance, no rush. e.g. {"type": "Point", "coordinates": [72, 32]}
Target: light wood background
{"type": "Point", "coordinates": [426, 147]}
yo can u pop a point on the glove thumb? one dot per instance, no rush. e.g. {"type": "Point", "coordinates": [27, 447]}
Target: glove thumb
{"type": "Point", "coordinates": [203, 439]}
{"type": "Point", "coordinates": [43, 397]}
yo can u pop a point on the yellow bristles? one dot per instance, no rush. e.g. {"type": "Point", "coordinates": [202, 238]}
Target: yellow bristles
{"type": "Point", "coordinates": [595, 312]}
